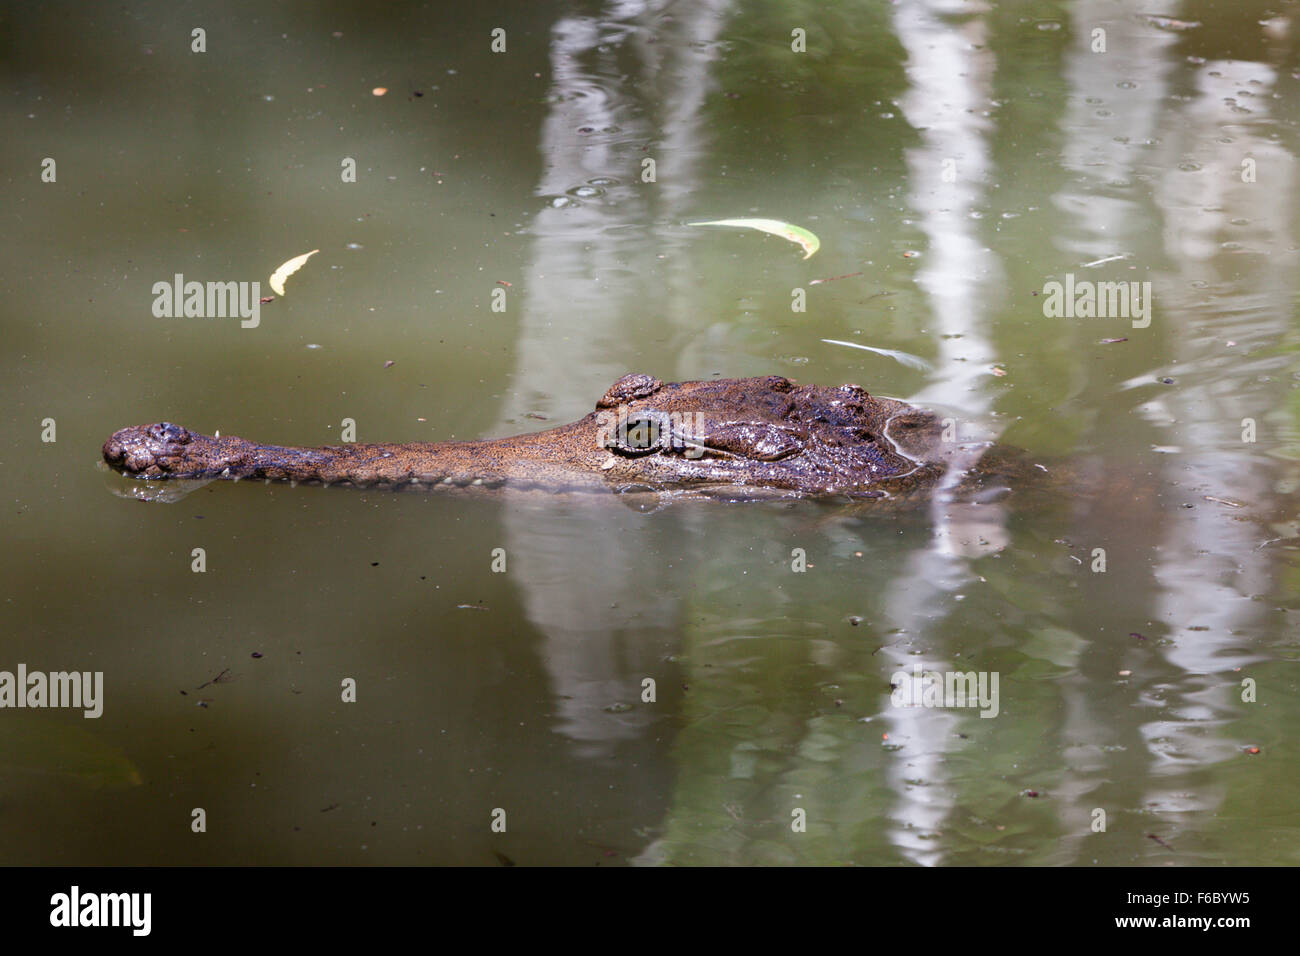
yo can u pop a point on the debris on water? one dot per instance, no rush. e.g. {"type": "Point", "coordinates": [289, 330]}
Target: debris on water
{"type": "Point", "coordinates": [1223, 501]}
{"type": "Point", "coordinates": [903, 358]}
{"type": "Point", "coordinates": [1169, 23]}
{"type": "Point", "coordinates": [796, 234]}
{"type": "Point", "coordinates": [847, 275]}
{"type": "Point", "coordinates": [470, 607]}
{"type": "Point", "coordinates": [1252, 750]}
{"type": "Point", "coordinates": [1031, 793]}
{"type": "Point", "coordinates": [503, 282]}
{"type": "Point", "coordinates": [1152, 836]}
{"type": "Point", "coordinates": [854, 620]}
{"type": "Point", "coordinates": [286, 269]}
{"type": "Point", "coordinates": [256, 655]}
{"type": "Point", "coordinates": [222, 678]}
{"type": "Point", "coordinates": [1140, 637]}
{"type": "Point", "coordinates": [265, 299]}
{"type": "Point", "coordinates": [1112, 341]}
{"type": "Point", "coordinates": [389, 364]}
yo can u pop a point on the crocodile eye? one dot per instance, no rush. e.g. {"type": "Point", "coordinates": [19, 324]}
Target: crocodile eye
{"type": "Point", "coordinates": [638, 435]}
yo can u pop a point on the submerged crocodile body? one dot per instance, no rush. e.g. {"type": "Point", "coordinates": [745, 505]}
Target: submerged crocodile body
{"type": "Point", "coordinates": [729, 438]}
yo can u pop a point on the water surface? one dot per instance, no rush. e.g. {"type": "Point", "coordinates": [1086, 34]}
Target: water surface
{"type": "Point", "coordinates": [953, 160]}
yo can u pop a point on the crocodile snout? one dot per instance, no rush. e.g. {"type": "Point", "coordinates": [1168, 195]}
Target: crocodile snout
{"type": "Point", "coordinates": [144, 450]}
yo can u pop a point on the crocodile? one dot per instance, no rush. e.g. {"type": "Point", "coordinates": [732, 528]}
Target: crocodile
{"type": "Point", "coordinates": [735, 439]}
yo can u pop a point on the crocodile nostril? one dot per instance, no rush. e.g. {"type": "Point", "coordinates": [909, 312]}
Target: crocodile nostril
{"type": "Point", "coordinates": [166, 431]}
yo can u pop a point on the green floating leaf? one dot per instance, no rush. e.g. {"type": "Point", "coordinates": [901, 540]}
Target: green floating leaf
{"type": "Point", "coordinates": [63, 750]}
{"type": "Point", "coordinates": [902, 358]}
{"type": "Point", "coordinates": [775, 227]}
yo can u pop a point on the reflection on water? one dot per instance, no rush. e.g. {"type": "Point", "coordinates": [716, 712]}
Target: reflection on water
{"type": "Point", "coordinates": [697, 683]}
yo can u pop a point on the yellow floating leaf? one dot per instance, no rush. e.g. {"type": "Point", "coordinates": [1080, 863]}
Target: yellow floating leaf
{"type": "Point", "coordinates": [775, 227]}
{"type": "Point", "coordinates": [288, 269]}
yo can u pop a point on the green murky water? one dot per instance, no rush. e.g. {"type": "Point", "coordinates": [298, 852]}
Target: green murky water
{"type": "Point", "coordinates": [953, 160]}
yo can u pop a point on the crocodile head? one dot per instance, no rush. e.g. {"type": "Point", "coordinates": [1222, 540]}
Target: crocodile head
{"type": "Point", "coordinates": [764, 433]}
{"type": "Point", "coordinates": [732, 438]}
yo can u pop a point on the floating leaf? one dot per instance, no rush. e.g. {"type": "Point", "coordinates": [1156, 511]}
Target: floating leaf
{"type": "Point", "coordinates": [63, 750]}
{"type": "Point", "coordinates": [288, 269]}
{"type": "Point", "coordinates": [1169, 23]}
{"type": "Point", "coordinates": [775, 227]}
{"type": "Point", "coordinates": [903, 358]}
